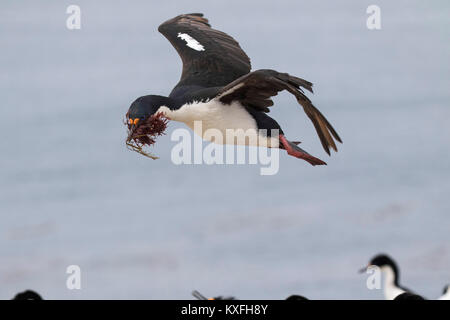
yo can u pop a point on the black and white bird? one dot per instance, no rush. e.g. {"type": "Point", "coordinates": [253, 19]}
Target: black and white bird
{"type": "Point", "coordinates": [391, 274]}
{"type": "Point", "coordinates": [445, 293]}
{"type": "Point", "coordinates": [218, 88]}
{"type": "Point", "coordinates": [27, 295]}
{"type": "Point", "coordinates": [408, 296]}
{"type": "Point", "coordinates": [296, 297]}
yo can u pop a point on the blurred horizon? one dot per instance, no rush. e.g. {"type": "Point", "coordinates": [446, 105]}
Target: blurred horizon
{"type": "Point", "coordinates": [72, 194]}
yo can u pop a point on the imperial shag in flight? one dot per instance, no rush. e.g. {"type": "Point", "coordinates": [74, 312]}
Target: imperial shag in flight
{"type": "Point", "coordinates": [218, 88]}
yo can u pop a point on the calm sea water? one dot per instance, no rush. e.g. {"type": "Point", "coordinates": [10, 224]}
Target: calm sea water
{"type": "Point", "coordinates": [71, 193]}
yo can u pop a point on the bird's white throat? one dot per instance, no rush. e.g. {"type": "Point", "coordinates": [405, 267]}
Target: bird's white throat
{"type": "Point", "coordinates": [391, 290]}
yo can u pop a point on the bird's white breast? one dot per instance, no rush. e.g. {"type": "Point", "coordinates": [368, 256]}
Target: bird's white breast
{"type": "Point", "coordinates": [215, 115]}
{"type": "Point", "coordinates": [390, 289]}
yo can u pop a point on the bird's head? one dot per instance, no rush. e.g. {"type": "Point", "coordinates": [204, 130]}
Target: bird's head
{"type": "Point", "coordinates": [27, 295]}
{"type": "Point", "coordinates": [446, 289]}
{"type": "Point", "coordinates": [382, 261]}
{"type": "Point", "coordinates": [296, 297]}
{"type": "Point", "coordinates": [145, 123]}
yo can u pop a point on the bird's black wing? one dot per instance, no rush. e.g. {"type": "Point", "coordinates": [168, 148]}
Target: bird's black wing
{"type": "Point", "coordinates": [210, 57]}
{"type": "Point", "coordinates": [256, 89]}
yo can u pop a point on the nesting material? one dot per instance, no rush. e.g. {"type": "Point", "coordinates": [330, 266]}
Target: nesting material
{"type": "Point", "coordinates": [144, 133]}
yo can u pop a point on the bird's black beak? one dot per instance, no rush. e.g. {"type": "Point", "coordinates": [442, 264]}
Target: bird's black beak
{"type": "Point", "coordinates": [363, 270]}
{"type": "Point", "coordinates": [132, 128]}
{"type": "Point", "coordinates": [198, 295]}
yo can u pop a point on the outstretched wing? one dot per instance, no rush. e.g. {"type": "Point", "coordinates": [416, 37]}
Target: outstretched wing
{"type": "Point", "coordinates": [256, 89]}
{"type": "Point", "coordinates": [210, 57]}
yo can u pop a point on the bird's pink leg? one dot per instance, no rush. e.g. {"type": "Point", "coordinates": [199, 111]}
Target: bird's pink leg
{"type": "Point", "coordinates": [295, 151]}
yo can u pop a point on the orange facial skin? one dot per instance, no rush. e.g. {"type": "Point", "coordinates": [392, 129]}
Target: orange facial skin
{"type": "Point", "coordinates": [135, 121]}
